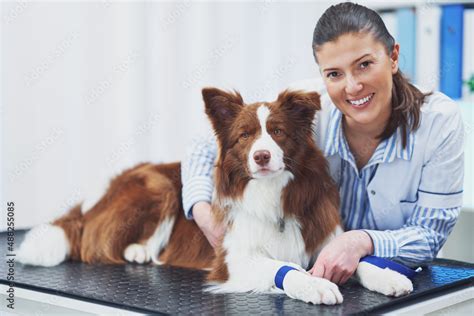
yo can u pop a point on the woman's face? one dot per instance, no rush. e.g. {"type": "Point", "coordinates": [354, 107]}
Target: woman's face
{"type": "Point", "coordinates": [358, 76]}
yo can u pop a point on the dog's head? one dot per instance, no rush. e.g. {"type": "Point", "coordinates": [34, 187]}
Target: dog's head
{"type": "Point", "coordinates": [262, 139]}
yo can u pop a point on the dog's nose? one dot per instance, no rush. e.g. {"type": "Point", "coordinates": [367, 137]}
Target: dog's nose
{"type": "Point", "coordinates": [262, 157]}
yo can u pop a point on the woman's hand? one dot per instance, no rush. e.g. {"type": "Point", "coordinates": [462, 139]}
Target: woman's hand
{"type": "Point", "coordinates": [204, 219]}
{"type": "Point", "coordinates": [338, 260]}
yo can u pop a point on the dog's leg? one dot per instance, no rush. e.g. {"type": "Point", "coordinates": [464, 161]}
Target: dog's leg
{"type": "Point", "coordinates": [258, 275]}
{"type": "Point", "coordinates": [384, 281]}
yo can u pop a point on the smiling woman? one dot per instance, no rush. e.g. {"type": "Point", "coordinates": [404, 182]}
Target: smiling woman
{"type": "Point", "coordinates": [395, 152]}
{"type": "Point", "coordinates": [377, 112]}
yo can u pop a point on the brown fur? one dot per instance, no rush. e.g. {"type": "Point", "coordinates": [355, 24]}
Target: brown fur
{"type": "Point", "coordinates": [188, 247]}
{"type": "Point", "coordinates": [219, 271]}
{"type": "Point", "coordinates": [311, 196]}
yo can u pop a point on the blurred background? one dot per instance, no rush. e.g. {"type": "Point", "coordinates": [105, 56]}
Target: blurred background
{"type": "Point", "coordinates": [91, 88]}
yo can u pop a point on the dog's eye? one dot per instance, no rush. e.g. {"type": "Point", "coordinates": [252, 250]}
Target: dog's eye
{"type": "Point", "coordinates": [244, 135]}
{"type": "Point", "coordinates": [277, 132]}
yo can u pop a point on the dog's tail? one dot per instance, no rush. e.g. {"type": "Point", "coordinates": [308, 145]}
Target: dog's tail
{"type": "Point", "coordinates": [50, 244]}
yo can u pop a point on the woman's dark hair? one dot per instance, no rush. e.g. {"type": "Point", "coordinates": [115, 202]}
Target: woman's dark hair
{"type": "Point", "coordinates": [346, 18]}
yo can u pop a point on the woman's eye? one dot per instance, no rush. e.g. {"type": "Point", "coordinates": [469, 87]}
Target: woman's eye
{"type": "Point", "coordinates": [277, 132]}
{"type": "Point", "coordinates": [244, 135]}
{"type": "Point", "coordinates": [365, 64]}
{"type": "Point", "coordinates": [332, 74]}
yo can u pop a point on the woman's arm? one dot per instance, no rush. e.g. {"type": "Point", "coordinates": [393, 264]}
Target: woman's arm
{"type": "Point", "coordinates": [196, 176]}
{"type": "Point", "coordinates": [421, 237]}
{"type": "Point", "coordinates": [417, 242]}
{"type": "Point", "coordinates": [196, 173]}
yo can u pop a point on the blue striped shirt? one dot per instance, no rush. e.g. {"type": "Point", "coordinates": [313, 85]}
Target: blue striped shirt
{"type": "Point", "coordinates": [425, 228]}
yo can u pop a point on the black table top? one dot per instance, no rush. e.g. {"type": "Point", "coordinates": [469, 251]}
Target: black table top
{"type": "Point", "coordinates": [160, 289]}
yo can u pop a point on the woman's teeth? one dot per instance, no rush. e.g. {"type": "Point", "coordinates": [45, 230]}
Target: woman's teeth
{"type": "Point", "coordinates": [361, 101]}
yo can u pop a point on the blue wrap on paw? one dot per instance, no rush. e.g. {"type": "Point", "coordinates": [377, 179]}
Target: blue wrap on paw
{"type": "Point", "coordinates": [280, 275]}
{"type": "Point", "coordinates": [385, 263]}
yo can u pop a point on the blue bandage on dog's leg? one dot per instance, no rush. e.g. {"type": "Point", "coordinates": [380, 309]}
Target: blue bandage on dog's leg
{"type": "Point", "coordinates": [280, 275]}
{"type": "Point", "coordinates": [392, 265]}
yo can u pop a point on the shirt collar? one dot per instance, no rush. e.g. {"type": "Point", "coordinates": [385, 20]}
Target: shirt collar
{"type": "Point", "coordinates": [387, 150]}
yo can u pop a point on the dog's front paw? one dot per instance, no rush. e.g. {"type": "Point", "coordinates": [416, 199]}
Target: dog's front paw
{"type": "Point", "coordinates": [384, 281]}
{"type": "Point", "coordinates": [309, 289]}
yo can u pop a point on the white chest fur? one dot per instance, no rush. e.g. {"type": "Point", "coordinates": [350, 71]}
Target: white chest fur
{"type": "Point", "coordinates": [257, 229]}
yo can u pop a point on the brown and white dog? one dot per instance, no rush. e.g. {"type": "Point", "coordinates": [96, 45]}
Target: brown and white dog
{"type": "Point", "coordinates": [273, 191]}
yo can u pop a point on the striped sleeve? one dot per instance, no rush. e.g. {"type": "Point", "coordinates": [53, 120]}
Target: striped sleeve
{"type": "Point", "coordinates": [196, 172]}
{"type": "Point", "coordinates": [420, 239]}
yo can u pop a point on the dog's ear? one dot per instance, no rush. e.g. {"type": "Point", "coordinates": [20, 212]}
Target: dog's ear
{"type": "Point", "coordinates": [222, 108]}
{"type": "Point", "coordinates": [300, 105]}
